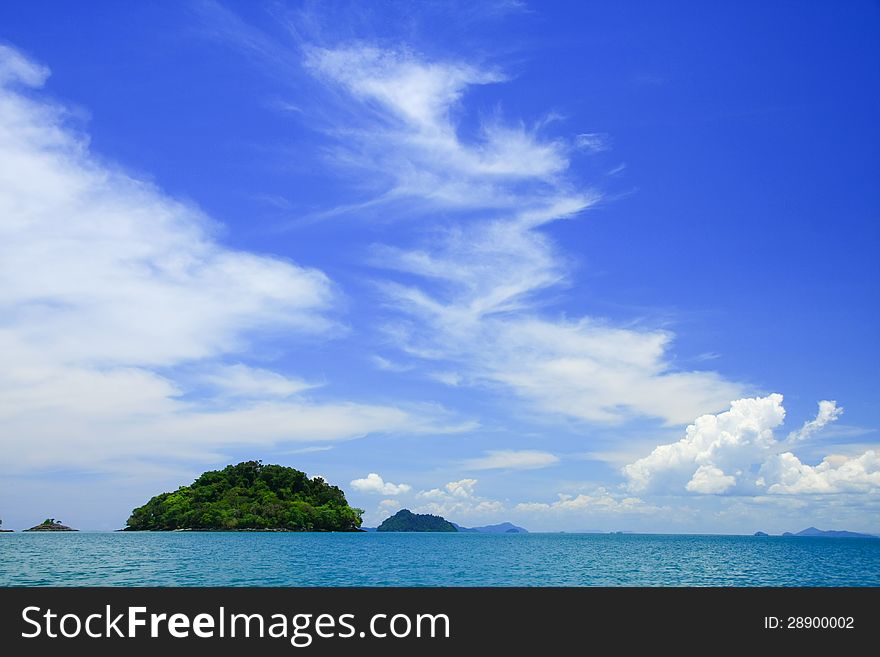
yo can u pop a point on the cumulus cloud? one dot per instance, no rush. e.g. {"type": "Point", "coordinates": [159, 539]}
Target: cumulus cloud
{"type": "Point", "coordinates": [526, 459]}
{"type": "Point", "coordinates": [457, 498]}
{"type": "Point", "coordinates": [120, 309]}
{"type": "Point", "coordinates": [461, 489]}
{"type": "Point", "coordinates": [709, 479]}
{"type": "Point", "coordinates": [835, 474]}
{"type": "Point", "coordinates": [737, 452]}
{"type": "Point", "coordinates": [600, 500]}
{"type": "Point", "coordinates": [728, 442]}
{"type": "Point", "coordinates": [829, 411]}
{"type": "Point", "coordinates": [373, 483]}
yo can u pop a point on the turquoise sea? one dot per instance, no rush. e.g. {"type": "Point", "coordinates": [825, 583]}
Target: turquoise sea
{"type": "Point", "coordinates": [371, 559]}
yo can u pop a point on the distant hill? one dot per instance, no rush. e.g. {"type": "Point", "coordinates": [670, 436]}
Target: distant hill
{"type": "Point", "coordinates": [502, 528]}
{"type": "Point", "coordinates": [51, 525]}
{"type": "Point", "coordinates": [812, 531]}
{"type": "Point", "coordinates": [761, 534]}
{"type": "Point", "coordinates": [407, 521]}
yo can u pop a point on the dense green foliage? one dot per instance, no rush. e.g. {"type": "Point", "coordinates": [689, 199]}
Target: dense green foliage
{"type": "Point", "coordinates": [249, 495]}
{"type": "Point", "coordinates": [407, 521]}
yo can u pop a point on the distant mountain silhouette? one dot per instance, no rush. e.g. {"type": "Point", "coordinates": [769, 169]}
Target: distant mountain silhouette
{"type": "Point", "coordinates": [831, 533]}
{"type": "Point", "coordinates": [502, 528]}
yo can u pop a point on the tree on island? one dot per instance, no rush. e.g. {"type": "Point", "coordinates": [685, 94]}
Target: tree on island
{"type": "Point", "coordinates": [51, 521]}
{"type": "Point", "coordinates": [249, 496]}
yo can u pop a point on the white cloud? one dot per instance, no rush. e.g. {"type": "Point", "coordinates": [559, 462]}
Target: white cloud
{"type": "Point", "coordinates": [475, 305]}
{"type": "Point", "coordinates": [835, 474]}
{"type": "Point", "coordinates": [373, 483]}
{"type": "Point", "coordinates": [736, 451]}
{"type": "Point", "coordinates": [829, 412]}
{"type": "Point", "coordinates": [16, 68]}
{"type": "Point", "coordinates": [593, 142]}
{"type": "Point", "coordinates": [457, 499]}
{"type": "Point", "coordinates": [413, 101]}
{"type": "Point", "coordinates": [583, 369]}
{"type": "Point", "coordinates": [385, 509]}
{"type": "Point", "coordinates": [463, 488]}
{"type": "Point", "coordinates": [728, 442]}
{"type": "Point", "coordinates": [710, 480]}
{"type": "Point", "coordinates": [240, 380]}
{"type": "Point", "coordinates": [512, 460]}
{"type": "Point", "coordinates": [599, 501]}
{"type": "Point", "coordinates": [388, 365]}
{"type": "Point", "coordinates": [120, 308]}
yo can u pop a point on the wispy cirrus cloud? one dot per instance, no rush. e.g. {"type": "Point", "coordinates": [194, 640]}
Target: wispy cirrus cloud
{"type": "Point", "coordinates": [121, 310]}
{"type": "Point", "coordinates": [506, 459]}
{"type": "Point", "coordinates": [404, 130]}
{"type": "Point", "coordinates": [482, 276]}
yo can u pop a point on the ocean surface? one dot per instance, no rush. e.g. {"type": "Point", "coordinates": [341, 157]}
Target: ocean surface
{"type": "Point", "coordinates": [372, 559]}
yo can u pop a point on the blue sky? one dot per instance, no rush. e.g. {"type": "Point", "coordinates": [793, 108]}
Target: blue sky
{"type": "Point", "coordinates": [572, 265]}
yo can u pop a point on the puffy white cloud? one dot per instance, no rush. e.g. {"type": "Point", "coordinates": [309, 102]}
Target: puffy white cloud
{"type": "Point", "coordinates": [600, 500]}
{"type": "Point", "coordinates": [728, 442]}
{"type": "Point", "coordinates": [709, 479]}
{"type": "Point", "coordinates": [121, 308]}
{"type": "Point", "coordinates": [835, 474]}
{"type": "Point", "coordinates": [373, 483]}
{"type": "Point", "coordinates": [736, 451]}
{"type": "Point", "coordinates": [829, 411]}
{"type": "Point", "coordinates": [458, 499]}
{"type": "Point", "coordinates": [463, 488]}
{"type": "Point", "coordinates": [526, 459]}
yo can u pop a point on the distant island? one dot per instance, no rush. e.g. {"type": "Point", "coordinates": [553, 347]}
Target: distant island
{"type": "Point", "coordinates": [4, 531]}
{"type": "Point", "coordinates": [407, 521]}
{"type": "Point", "coordinates": [249, 496]}
{"type": "Point", "coordinates": [503, 528]}
{"type": "Point", "coordinates": [51, 525]}
{"type": "Point", "coordinates": [812, 531]}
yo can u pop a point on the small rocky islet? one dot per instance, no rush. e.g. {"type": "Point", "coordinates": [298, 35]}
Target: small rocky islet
{"type": "Point", "coordinates": [51, 525]}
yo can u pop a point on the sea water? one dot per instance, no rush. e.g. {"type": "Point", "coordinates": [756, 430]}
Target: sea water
{"type": "Point", "coordinates": [422, 559]}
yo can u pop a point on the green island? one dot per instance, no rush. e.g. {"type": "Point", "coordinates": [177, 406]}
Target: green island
{"type": "Point", "coordinates": [407, 521]}
{"type": "Point", "coordinates": [249, 496]}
